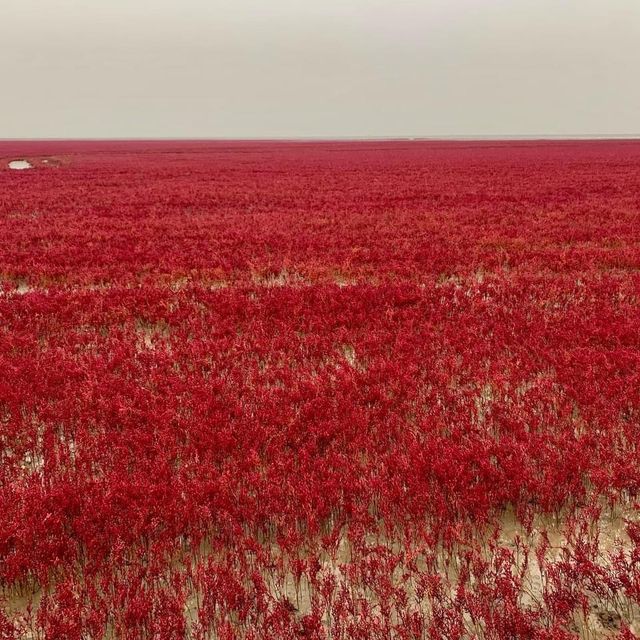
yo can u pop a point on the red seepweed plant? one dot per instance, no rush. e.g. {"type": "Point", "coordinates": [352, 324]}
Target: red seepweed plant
{"type": "Point", "coordinates": [329, 390]}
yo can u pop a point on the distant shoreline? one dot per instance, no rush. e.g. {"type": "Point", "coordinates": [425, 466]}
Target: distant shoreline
{"type": "Point", "coordinates": [406, 138]}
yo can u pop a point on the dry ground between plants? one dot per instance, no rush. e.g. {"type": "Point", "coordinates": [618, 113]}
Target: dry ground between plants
{"type": "Point", "coordinates": [603, 619]}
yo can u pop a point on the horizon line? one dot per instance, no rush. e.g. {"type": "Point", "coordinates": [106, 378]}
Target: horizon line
{"type": "Point", "coordinates": [321, 138]}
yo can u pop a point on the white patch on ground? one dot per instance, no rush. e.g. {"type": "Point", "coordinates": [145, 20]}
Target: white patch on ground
{"type": "Point", "coordinates": [22, 287]}
{"type": "Point", "coordinates": [20, 164]}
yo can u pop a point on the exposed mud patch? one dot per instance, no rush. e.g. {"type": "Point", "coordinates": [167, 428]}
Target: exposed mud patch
{"type": "Point", "coordinates": [151, 335]}
{"type": "Point", "coordinates": [364, 573]}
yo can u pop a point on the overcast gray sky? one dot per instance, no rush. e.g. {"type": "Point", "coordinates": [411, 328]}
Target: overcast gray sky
{"type": "Point", "coordinates": [329, 68]}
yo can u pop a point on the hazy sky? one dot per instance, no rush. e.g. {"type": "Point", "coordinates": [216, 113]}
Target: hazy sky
{"type": "Point", "coordinates": [285, 68]}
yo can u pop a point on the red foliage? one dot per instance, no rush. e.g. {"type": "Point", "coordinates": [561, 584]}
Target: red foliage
{"type": "Point", "coordinates": [262, 389]}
